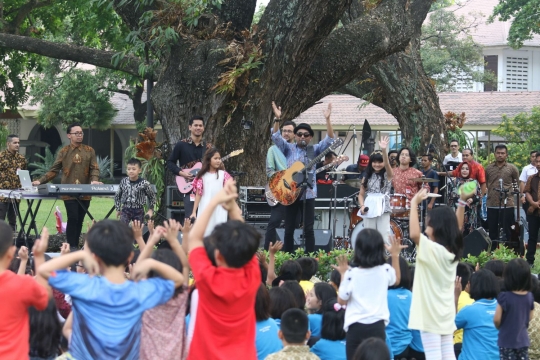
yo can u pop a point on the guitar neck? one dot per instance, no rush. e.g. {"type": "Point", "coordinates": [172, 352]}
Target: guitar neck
{"type": "Point", "coordinates": [318, 158]}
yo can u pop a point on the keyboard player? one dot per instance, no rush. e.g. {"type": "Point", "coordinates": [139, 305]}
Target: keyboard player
{"type": "Point", "coordinates": [79, 165]}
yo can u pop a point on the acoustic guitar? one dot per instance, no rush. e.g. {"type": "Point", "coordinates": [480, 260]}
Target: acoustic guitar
{"type": "Point", "coordinates": [185, 186]}
{"type": "Point", "coordinates": [285, 184]}
{"type": "Point", "coordinates": [271, 200]}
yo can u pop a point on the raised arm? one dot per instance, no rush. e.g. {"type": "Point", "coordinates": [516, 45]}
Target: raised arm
{"type": "Point", "coordinates": [39, 249]}
{"type": "Point", "coordinates": [272, 250]}
{"type": "Point", "coordinates": [141, 270]}
{"type": "Point", "coordinates": [327, 113]}
{"type": "Point", "coordinates": [414, 222]}
{"type": "Point", "coordinates": [383, 143]}
{"type": "Point", "coordinates": [462, 202]}
{"type": "Point", "coordinates": [53, 171]}
{"type": "Point", "coordinates": [23, 256]}
{"type": "Point", "coordinates": [152, 241]}
{"type": "Point", "coordinates": [63, 262]}
{"type": "Point", "coordinates": [277, 116]}
{"type": "Point", "coordinates": [196, 235]}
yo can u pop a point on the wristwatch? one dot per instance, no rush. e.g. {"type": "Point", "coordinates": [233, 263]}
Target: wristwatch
{"type": "Point", "coordinates": [276, 119]}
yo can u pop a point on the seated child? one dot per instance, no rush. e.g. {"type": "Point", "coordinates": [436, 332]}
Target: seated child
{"type": "Point", "coordinates": [107, 309]}
{"type": "Point", "coordinates": [267, 340]}
{"type": "Point", "coordinates": [309, 269]}
{"type": "Point", "coordinates": [281, 300]}
{"type": "Point", "coordinates": [331, 345]}
{"type": "Point", "coordinates": [225, 323]}
{"type": "Point", "coordinates": [316, 297]}
{"type": "Point", "coordinates": [17, 294]}
{"type": "Point", "coordinates": [294, 333]}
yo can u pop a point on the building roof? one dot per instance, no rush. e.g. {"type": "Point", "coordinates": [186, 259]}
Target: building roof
{"type": "Point", "coordinates": [494, 34]}
{"type": "Point", "coordinates": [482, 109]}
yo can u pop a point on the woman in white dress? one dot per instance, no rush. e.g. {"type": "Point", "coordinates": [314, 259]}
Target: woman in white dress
{"type": "Point", "coordinates": [208, 182]}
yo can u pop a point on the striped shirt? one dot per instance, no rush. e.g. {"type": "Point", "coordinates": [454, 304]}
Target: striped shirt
{"type": "Point", "coordinates": [295, 153]}
{"type": "Point", "coordinates": [133, 194]}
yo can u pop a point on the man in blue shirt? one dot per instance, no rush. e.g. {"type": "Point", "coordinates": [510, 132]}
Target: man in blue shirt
{"type": "Point", "coordinates": [359, 167]}
{"type": "Point", "coordinates": [298, 152]}
{"type": "Point", "coordinates": [430, 173]}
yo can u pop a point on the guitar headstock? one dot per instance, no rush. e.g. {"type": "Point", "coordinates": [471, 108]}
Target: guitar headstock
{"type": "Point", "coordinates": [337, 142]}
{"type": "Point", "coordinates": [236, 152]}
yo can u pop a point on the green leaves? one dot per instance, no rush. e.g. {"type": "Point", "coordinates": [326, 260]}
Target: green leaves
{"type": "Point", "coordinates": [524, 15]}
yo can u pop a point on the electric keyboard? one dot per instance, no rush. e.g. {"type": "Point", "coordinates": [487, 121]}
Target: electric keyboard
{"type": "Point", "coordinates": [79, 189]}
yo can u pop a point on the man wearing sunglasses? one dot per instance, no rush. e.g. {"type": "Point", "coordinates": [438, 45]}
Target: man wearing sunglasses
{"type": "Point", "coordinates": [302, 151]}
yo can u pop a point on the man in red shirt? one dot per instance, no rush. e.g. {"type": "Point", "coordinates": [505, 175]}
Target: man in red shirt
{"type": "Point", "coordinates": [227, 274]}
{"type": "Point", "coordinates": [17, 294]}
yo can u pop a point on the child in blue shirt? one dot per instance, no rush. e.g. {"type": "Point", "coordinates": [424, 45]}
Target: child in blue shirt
{"type": "Point", "coordinates": [399, 304]}
{"type": "Point", "coordinates": [476, 320]}
{"type": "Point", "coordinates": [515, 308]}
{"type": "Point", "coordinates": [107, 309]}
{"type": "Point", "coordinates": [266, 337]}
{"type": "Point", "coordinates": [316, 297]}
{"type": "Point", "coordinates": [331, 345]}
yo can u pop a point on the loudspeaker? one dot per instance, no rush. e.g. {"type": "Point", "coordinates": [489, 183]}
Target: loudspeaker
{"type": "Point", "coordinates": [174, 198]}
{"type": "Point", "coordinates": [261, 228]}
{"type": "Point", "coordinates": [323, 239]}
{"type": "Point", "coordinates": [476, 242]}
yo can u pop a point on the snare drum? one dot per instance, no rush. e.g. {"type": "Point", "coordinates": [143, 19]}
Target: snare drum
{"type": "Point", "coordinates": [395, 228]}
{"type": "Point", "coordinates": [398, 203]}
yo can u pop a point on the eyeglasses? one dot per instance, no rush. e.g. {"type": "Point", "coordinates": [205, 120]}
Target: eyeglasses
{"type": "Point", "coordinates": [78, 133]}
{"type": "Point", "coordinates": [305, 135]}
{"type": "Point", "coordinates": [287, 131]}
{"type": "Point", "coordinates": [453, 146]}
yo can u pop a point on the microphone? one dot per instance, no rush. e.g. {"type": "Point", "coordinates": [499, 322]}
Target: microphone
{"type": "Point", "coordinates": [146, 217]}
{"type": "Point", "coordinates": [501, 184]}
{"type": "Point", "coordinates": [303, 143]}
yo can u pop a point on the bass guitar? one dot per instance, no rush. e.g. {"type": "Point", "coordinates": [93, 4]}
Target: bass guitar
{"type": "Point", "coordinates": [271, 200]}
{"type": "Point", "coordinates": [285, 184]}
{"type": "Point", "coordinates": [185, 186]}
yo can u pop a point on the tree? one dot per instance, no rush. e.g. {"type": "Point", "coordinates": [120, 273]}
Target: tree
{"type": "Point", "coordinates": [205, 60]}
{"type": "Point", "coordinates": [524, 16]}
{"type": "Point", "coordinates": [523, 134]}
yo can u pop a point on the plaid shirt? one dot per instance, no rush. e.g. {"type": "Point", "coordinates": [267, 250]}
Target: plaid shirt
{"type": "Point", "coordinates": [295, 153]}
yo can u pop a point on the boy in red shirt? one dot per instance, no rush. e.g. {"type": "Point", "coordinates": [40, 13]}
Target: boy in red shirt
{"type": "Point", "coordinates": [227, 275]}
{"type": "Point", "coordinates": [17, 294]}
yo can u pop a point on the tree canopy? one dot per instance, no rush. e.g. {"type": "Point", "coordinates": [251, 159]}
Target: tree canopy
{"type": "Point", "coordinates": [206, 58]}
{"type": "Point", "coordinates": [524, 15]}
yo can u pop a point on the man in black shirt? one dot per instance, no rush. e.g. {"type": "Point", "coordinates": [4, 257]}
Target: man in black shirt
{"type": "Point", "coordinates": [186, 153]}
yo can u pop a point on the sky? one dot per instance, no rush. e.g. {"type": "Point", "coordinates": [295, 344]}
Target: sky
{"type": "Point", "coordinates": [262, 2]}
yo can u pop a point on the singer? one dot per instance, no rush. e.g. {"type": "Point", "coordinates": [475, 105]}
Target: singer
{"type": "Point", "coordinates": [302, 151]}
{"type": "Point", "coordinates": [500, 173]}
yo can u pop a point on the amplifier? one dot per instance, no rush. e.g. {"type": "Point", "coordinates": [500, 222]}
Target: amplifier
{"type": "Point", "coordinates": [252, 194]}
{"type": "Point", "coordinates": [261, 228]}
{"type": "Point", "coordinates": [174, 198]}
{"type": "Point", "coordinates": [259, 212]}
{"type": "Point", "coordinates": [323, 239]}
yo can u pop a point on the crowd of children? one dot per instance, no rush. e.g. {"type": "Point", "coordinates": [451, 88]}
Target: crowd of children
{"type": "Point", "coordinates": [122, 305]}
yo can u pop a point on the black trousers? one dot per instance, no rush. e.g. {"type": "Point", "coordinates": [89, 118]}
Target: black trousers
{"type": "Point", "coordinates": [188, 205]}
{"type": "Point", "coordinates": [75, 220]}
{"type": "Point", "coordinates": [534, 226]}
{"type": "Point", "coordinates": [277, 215]}
{"type": "Point", "coordinates": [359, 332]}
{"type": "Point", "coordinates": [496, 221]}
{"type": "Point", "coordinates": [7, 208]}
{"type": "Point", "coordinates": [291, 212]}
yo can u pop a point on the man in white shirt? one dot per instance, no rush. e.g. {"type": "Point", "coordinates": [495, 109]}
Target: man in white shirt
{"type": "Point", "coordinates": [453, 159]}
{"type": "Point", "coordinates": [525, 173]}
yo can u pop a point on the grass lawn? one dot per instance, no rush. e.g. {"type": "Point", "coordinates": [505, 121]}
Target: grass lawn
{"type": "Point", "coordinates": [99, 207]}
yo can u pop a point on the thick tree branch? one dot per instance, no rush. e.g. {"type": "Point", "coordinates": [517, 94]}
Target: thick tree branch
{"type": "Point", "coordinates": [238, 12]}
{"type": "Point", "coordinates": [292, 32]}
{"type": "Point", "coordinates": [349, 51]}
{"type": "Point", "coordinates": [24, 11]}
{"type": "Point", "coordinates": [63, 51]}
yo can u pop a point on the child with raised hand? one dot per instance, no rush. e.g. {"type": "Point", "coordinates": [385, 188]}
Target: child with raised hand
{"type": "Point", "coordinates": [163, 327]}
{"type": "Point", "coordinates": [367, 311]}
{"type": "Point", "coordinates": [476, 319]}
{"type": "Point", "coordinates": [515, 308]}
{"type": "Point", "coordinates": [107, 309]}
{"type": "Point", "coordinates": [433, 307]}
{"type": "Point", "coordinates": [331, 345]}
{"type": "Point", "coordinates": [315, 299]}
{"type": "Point", "coordinates": [225, 324]}
{"type": "Point", "coordinates": [17, 295]}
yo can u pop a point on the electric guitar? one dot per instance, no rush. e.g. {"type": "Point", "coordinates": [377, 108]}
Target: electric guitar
{"type": "Point", "coordinates": [185, 186]}
{"type": "Point", "coordinates": [271, 200]}
{"type": "Point", "coordinates": [285, 184]}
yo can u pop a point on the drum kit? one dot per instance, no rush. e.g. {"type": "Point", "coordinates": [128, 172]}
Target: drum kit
{"type": "Point", "coordinates": [399, 217]}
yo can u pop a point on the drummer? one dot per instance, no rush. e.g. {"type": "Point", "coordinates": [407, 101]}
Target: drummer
{"type": "Point", "coordinates": [359, 167]}
{"type": "Point", "coordinates": [404, 172]}
{"type": "Point", "coordinates": [430, 173]}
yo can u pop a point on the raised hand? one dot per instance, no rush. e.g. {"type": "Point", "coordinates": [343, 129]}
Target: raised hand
{"type": "Point", "coordinates": [141, 269]}
{"type": "Point", "coordinates": [150, 225]}
{"type": "Point", "coordinates": [156, 236]}
{"type": "Point", "coordinates": [342, 264]}
{"type": "Point", "coordinates": [328, 111]}
{"type": "Point", "coordinates": [383, 143]}
{"type": "Point", "coordinates": [187, 226]}
{"type": "Point", "coordinates": [419, 197]}
{"type": "Point", "coordinates": [65, 249]}
{"type": "Point", "coordinates": [172, 227]}
{"type": "Point", "coordinates": [136, 227]}
{"type": "Point", "coordinates": [90, 264]}
{"type": "Point", "coordinates": [277, 110]}
{"type": "Point", "coordinates": [274, 248]}
{"type": "Point", "coordinates": [395, 246]}
{"type": "Point", "coordinates": [229, 192]}
{"type": "Point", "coordinates": [23, 253]}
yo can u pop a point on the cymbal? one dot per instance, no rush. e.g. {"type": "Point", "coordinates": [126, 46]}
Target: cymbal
{"type": "Point", "coordinates": [343, 173]}
{"type": "Point", "coordinates": [423, 179]}
{"type": "Point", "coordinates": [355, 183]}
